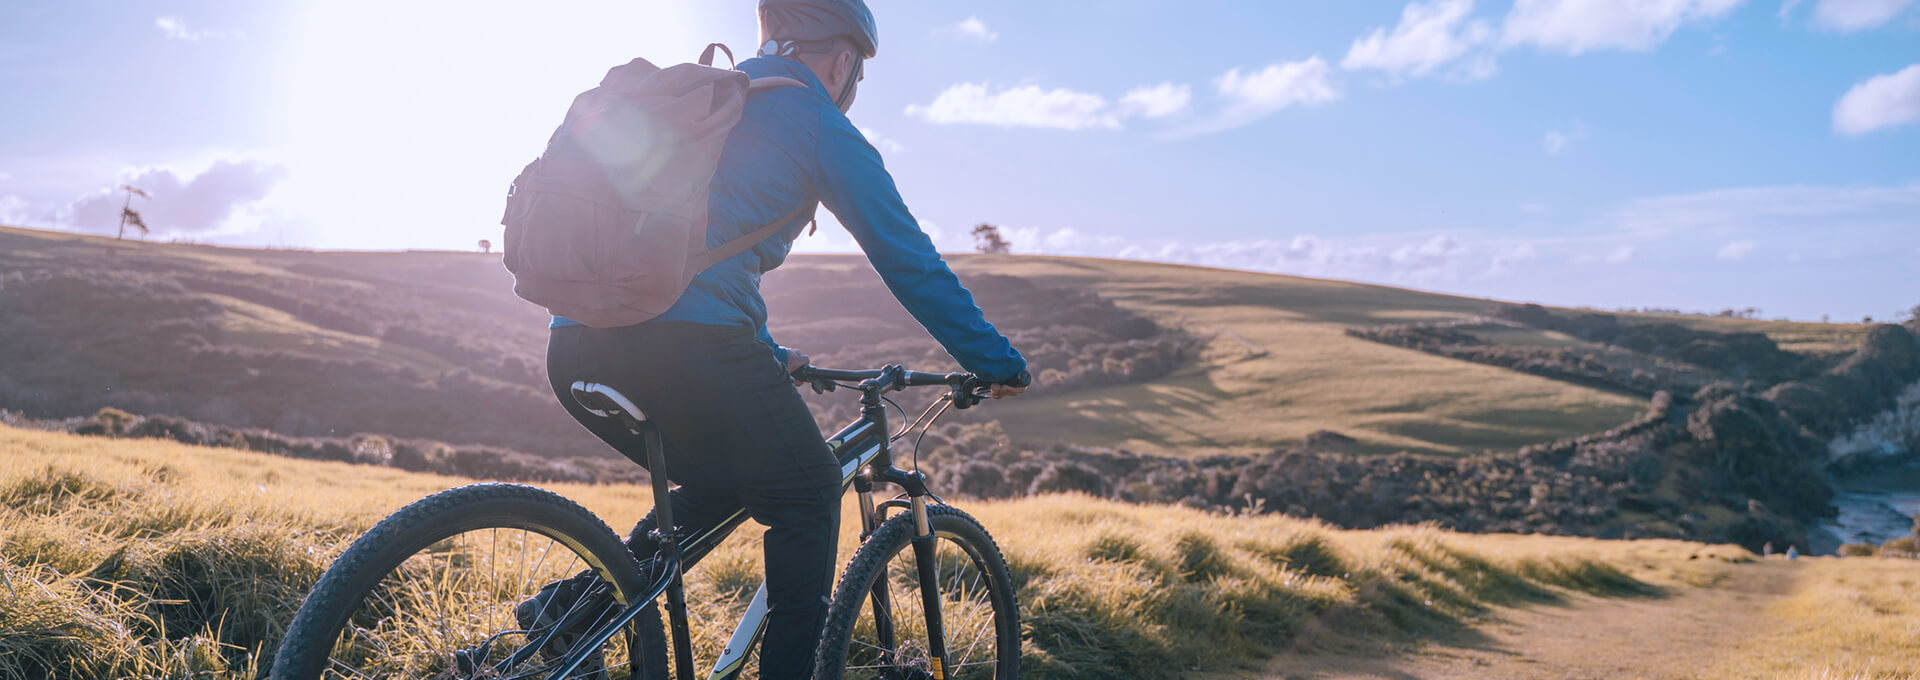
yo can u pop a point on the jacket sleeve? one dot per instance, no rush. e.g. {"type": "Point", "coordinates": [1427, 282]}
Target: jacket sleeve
{"type": "Point", "coordinates": [767, 338]}
{"type": "Point", "coordinates": [857, 188]}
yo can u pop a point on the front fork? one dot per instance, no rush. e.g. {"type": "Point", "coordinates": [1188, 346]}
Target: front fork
{"type": "Point", "coordinates": [926, 565]}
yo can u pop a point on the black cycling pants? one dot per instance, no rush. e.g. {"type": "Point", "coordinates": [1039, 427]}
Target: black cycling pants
{"type": "Point", "coordinates": [737, 435]}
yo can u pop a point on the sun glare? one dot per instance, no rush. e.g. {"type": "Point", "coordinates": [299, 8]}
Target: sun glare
{"type": "Point", "coordinates": [386, 104]}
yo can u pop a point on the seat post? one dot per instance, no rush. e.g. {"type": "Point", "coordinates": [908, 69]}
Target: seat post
{"type": "Point", "coordinates": [666, 534]}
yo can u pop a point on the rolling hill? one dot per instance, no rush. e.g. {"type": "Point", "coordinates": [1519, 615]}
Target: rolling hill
{"type": "Point", "coordinates": [434, 345]}
{"type": "Point", "coordinates": [1361, 405]}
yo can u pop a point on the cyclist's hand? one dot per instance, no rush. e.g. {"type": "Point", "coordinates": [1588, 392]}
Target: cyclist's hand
{"type": "Point", "coordinates": [1012, 387]}
{"type": "Point", "coordinates": [796, 359]}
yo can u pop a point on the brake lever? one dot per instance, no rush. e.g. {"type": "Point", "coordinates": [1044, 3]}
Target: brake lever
{"type": "Point", "coordinates": [972, 392]}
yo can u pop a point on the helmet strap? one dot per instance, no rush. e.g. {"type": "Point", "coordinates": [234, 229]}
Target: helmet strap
{"type": "Point", "coordinates": [845, 100]}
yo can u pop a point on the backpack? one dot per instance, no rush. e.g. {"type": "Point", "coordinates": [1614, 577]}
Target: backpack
{"type": "Point", "coordinates": [609, 225]}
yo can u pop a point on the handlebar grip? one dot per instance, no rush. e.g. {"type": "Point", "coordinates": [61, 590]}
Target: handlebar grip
{"type": "Point", "coordinates": [921, 379]}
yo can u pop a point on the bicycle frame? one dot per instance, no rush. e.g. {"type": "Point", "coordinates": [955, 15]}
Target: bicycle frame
{"type": "Point", "coordinates": [865, 453]}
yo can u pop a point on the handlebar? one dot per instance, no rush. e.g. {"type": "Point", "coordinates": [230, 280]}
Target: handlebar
{"type": "Point", "coordinates": [968, 389]}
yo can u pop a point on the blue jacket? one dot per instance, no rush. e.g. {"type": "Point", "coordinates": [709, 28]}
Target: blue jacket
{"type": "Point", "coordinates": [794, 146]}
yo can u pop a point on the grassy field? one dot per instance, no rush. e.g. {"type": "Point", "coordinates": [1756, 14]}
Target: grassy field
{"type": "Point", "coordinates": [1848, 618]}
{"type": "Point", "coordinates": [147, 557]}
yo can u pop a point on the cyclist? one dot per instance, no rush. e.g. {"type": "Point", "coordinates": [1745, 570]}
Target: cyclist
{"type": "Point", "coordinates": [707, 372]}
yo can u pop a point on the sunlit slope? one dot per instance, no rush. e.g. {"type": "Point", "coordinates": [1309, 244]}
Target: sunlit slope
{"type": "Point", "coordinates": [1279, 367]}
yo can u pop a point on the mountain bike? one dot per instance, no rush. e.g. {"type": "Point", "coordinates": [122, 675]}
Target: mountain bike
{"type": "Point", "coordinates": [440, 588]}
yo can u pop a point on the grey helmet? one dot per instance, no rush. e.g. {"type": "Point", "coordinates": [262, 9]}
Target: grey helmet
{"type": "Point", "coordinates": [816, 20]}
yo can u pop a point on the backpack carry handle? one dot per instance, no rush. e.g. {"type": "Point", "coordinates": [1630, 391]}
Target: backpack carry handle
{"type": "Point", "coordinates": [706, 56]}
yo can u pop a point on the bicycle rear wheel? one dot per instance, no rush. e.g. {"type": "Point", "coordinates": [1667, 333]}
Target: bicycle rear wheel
{"type": "Point", "coordinates": [431, 591]}
{"type": "Point", "coordinates": [977, 606]}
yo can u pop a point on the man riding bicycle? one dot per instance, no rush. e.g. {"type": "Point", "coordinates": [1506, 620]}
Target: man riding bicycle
{"type": "Point", "coordinates": [708, 374]}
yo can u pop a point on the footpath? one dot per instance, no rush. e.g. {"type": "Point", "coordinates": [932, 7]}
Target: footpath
{"type": "Point", "coordinates": [1678, 634]}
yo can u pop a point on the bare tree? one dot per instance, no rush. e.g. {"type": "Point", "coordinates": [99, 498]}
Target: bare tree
{"type": "Point", "coordinates": [486, 246]}
{"type": "Point", "coordinates": [987, 239]}
{"type": "Point", "coordinates": [129, 216]}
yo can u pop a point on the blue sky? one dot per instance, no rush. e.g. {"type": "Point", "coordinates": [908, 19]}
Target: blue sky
{"type": "Point", "coordinates": [1696, 154]}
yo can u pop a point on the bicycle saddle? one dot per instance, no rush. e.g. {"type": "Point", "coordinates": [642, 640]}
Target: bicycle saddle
{"type": "Point", "coordinates": [605, 401]}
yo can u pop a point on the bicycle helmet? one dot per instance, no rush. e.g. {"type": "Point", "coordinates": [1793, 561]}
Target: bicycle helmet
{"type": "Point", "coordinates": [816, 20]}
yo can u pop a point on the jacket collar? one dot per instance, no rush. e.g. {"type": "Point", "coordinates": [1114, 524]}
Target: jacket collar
{"type": "Point", "coordinates": [761, 67]}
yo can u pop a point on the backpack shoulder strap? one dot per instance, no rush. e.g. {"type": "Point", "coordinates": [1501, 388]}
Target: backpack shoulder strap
{"type": "Point", "coordinates": [773, 82]}
{"type": "Point", "coordinates": [739, 245]}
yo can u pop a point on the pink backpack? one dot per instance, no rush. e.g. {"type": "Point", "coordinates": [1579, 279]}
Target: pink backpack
{"type": "Point", "coordinates": [609, 225]}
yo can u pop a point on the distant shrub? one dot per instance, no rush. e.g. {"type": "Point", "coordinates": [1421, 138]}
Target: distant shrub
{"type": "Point", "coordinates": [108, 421]}
{"type": "Point", "coordinates": [1858, 550]}
{"type": "Point", "coordinates": [1904, 546]}
{"type": "Point", "coordinates": [976, 478]}
{"type": "Point", "coordinates": [1069, 476]}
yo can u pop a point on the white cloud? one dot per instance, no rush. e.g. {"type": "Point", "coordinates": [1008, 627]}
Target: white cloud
{"type": "Point", "coordinates": [174, 28]}
{"type": "Point", "coordinates": [974, 28]}
{"type": "Point", "coordinates": [882, 143]}
{"type": "Point", "coordinates": [1847, 16]}
{"type": "Point", "coordinates": [1428, 36]}
{"type": "Point", "coordinates": [1158, 101]}
{"type": "Point", "coordinates": [1736, 250]}
{"type": "Point", "coordinates": [1255, 95]}
{"type": "Point", "coordinates": [1556, 141]}
{"type": "Point", "coordinates": [1394, 258]}
{"type": "Point", "coordinates": [182, 203]}
{"type": "Point", "coordinates": [13, 211]}
{"type": "Point", "coordinates": [1026, 106]}
{"type": "Point", "coordinates": [1511, 257]}
{"type": "Point", "coordinates": [1576, 26]}
{"type": "Point", "coordinates": [1883, 101]}
{"type": "Point", "coordinates": [1060, 109]}
{"type": "Point", "coordinates": [1609, 255]}
{"type": "Point", "coordinates": [1280, 85]}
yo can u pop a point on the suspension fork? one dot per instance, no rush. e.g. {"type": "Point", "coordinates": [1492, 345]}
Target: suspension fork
{"type": "Point", "coordinates": [927, 563]}
{"type": "Point", "coordinates": [879, 596]}
{"type": "Point", "coordinates": [926, 566]}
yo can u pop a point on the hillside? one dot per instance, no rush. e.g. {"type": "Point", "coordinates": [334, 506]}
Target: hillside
{"type": "Point", "coordinates": [1149, 357]}
{"type": "Point", "coordinates": [106, 544]}
{"type": "Point", "coordinates": [1360, 405]}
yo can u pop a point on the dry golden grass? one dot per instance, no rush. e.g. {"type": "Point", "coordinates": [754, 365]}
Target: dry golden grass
{"type": "Point", "coordinates": [1848, 618]}
{"type": "Point", "coordinates": [1107, 590]}
{"type": "Point", "coordinates": [1280, 366]}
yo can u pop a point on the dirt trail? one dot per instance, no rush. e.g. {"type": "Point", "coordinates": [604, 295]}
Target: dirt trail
{"type": "Point", "coordinates": [1680, 635]}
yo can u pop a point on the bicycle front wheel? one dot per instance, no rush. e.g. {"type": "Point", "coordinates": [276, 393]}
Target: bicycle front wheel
{"type": "Point", "coordinates": [876, 626]}
{"type": "Point", "coordinates": [432, 590]}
